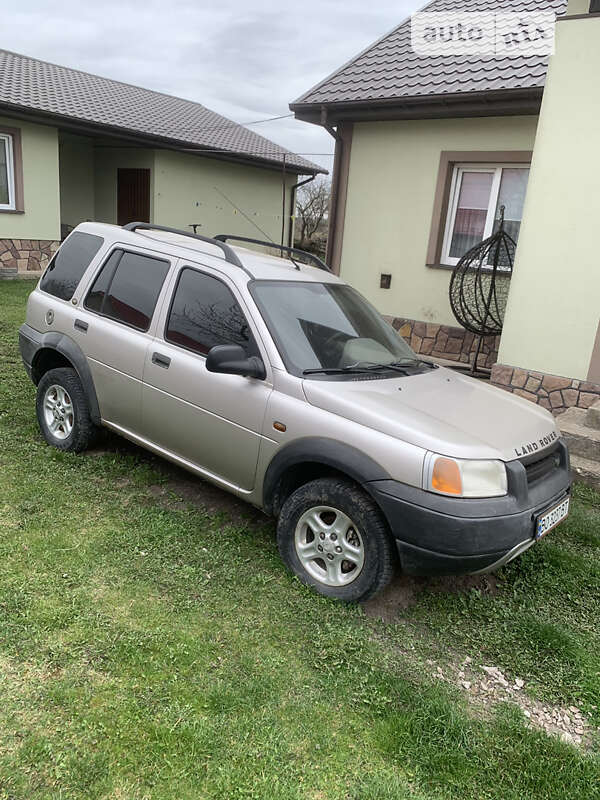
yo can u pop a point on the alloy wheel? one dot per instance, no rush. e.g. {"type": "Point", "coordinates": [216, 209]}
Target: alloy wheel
{"type": "Point", "coordinates": [58, 412]}
{"type": "Point", "coordinates": [329, 546]}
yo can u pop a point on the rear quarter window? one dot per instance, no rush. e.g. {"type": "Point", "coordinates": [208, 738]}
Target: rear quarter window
{"type": "Point", "coordinates": [68, 265]}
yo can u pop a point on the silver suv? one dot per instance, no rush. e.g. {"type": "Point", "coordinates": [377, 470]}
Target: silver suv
{"type": "Point", "coordinates": [280, 383]}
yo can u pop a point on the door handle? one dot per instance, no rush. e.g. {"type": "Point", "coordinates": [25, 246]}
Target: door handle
{"type": "Point", "coordinates": [80, 325]}
{"type": "Point", "coordinates": [160, 360]}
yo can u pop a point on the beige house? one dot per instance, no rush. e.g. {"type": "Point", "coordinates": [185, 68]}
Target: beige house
{"type": "Point", "coordinates": [427, 150]}
{"type": "Point", "coordinates": [77, 147]}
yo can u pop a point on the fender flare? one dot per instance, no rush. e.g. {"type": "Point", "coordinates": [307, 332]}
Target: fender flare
{"type": "Point", "coordinates": [319, 450]}
{"type": "Point", "coordinates": [64, 345]}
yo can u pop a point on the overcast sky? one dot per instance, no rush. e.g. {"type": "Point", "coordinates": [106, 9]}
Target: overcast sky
{"type": "Point", "coordinates": [244, 60]}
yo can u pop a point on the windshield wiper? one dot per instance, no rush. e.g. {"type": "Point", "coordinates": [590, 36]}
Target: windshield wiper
{"type": "Point", "coordinates": [413, 362]}
{"type": "Point", "coordinates": [403, 366]}
{"type": "Point", "coordinates": [336, 370]}
{"type": "Point", "coordinates": [363, 367]}
{"type": "Point", "coordinates": [386, 368]}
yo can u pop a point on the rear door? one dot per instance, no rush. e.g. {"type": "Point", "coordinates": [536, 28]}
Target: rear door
{"type": "Point", "coordinates": [115, 327]}
{"type": "Point", "coordinates": [212, 421]}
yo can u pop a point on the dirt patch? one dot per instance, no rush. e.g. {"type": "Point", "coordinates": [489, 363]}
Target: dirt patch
{"type": "Point", "coordinates": [404, 591]}
{"type": "Point", "coordinates": [179, 488]}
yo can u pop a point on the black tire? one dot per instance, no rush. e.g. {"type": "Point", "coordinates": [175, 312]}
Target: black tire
{"type": "Point", "coordinates": [376, 542]}
{"type": "Point", "coordinates": [82, 431]}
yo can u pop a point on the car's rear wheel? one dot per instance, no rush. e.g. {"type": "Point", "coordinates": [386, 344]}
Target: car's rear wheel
{"type": "Point", "coordinates": [63, 412]}
{"type": "Point", "coordinates": [333, 537]}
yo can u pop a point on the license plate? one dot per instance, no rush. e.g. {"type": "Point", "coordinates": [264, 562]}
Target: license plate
{"type": "Point", "coordinates": [545, 522]}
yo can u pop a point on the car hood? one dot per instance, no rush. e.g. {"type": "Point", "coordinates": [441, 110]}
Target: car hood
{"type": "Point", "coordinates": [442, 411]}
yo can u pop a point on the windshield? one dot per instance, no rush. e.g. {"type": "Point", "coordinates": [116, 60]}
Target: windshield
{"type": "Point", "coordinates": [326, 326]}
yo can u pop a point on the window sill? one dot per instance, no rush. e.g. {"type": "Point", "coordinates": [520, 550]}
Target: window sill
{"type": "Point", "coordinates": [451, 267]}
{"type": "Point", "coordinates": [440, 266]}
{"type": "Point", "coordinates": [12, 211]}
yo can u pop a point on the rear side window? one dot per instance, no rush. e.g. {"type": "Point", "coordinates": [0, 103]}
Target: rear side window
{"type": "Point", "coordinates": [68, 265]}
{"type": "Point", "coordinates": [205, 313]}
{"type": "Point", "coordinates": [127, 287]}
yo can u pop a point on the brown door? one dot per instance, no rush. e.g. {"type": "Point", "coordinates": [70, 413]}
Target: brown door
{"type": "Point", "coordinates": [133, 196]}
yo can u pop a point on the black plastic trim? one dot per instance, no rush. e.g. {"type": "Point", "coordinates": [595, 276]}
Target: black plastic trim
{"type": "Point", "coordinates": [419, 561]}
{"type": "Point", "coordinates": [31, 342]}
{"type": "Point", "coordinates": [320, 450]}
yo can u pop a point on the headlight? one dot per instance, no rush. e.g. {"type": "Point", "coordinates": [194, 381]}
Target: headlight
{"type": "Point", "coordinates": [465, 477]}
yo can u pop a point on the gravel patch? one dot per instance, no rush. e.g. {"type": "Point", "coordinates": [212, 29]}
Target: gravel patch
{"type": "Point", "coordinates": [487, 685]}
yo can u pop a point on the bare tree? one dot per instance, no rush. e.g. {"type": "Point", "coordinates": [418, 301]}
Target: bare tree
{"type": "Point", "coordinates": [312, 206]}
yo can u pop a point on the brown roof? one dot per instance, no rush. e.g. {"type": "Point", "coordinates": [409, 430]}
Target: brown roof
{"type": "Point", "coordinates": [389, 70]}
{"type": "Point", "coordinates": [27, 84]}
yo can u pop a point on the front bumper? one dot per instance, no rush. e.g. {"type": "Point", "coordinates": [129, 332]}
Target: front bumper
{"type": "Point", "coordinates": [438, 535]}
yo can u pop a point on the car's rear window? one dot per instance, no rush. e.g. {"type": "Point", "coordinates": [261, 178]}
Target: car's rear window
{"type": "Point", "coordinates": [127, 288]}
{"type": "Point", "coordinates": [68, 265]}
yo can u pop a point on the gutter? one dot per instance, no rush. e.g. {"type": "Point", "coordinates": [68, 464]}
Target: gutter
{"type": "Point", "coordinates": [99, 130]}
{"type": "Point", "coordinates": [502, 102]}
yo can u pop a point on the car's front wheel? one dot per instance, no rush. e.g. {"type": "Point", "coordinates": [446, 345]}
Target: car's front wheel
{"type": "Point", "coordinates": [62, 411]}
{"type": "Point", "coordinates": [333, 537]}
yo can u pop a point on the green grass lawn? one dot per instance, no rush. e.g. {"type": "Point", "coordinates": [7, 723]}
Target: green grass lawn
{"type": "Point", "coordinates": [150, 649]}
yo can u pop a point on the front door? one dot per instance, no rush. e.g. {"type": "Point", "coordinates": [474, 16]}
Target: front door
{"type": "Point", "coordinates": [211, 420]}
{"type": "Point", "coordinates": [133, 196]}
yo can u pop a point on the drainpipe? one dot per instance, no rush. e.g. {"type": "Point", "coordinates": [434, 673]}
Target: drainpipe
{"type": "Point", "coordinates": [283, 200]}
{"type": "Point", "coordinates": [337, 160]}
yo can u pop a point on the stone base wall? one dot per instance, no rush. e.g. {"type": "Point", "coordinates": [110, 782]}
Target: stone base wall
{"type": "Point", "coordinates": [446, 341]}
{"type": "Point", "coordinates": [550, 391]}
{"type": "Point", "coordinates": [25, 255]}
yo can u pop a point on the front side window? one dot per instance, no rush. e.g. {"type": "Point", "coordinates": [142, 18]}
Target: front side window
{"type": "Point", "coordinates": [7, 173]}
{"type": "Point", "coordinates": [477, 194]}
{"type": "Point", "coordinates": [69, 263]}
{"type": "Point", "coordinates": [127, 287]}
{"type": "Point", "coordinates": [326, 325]}
{"type": "Point", "coordinates": [204, 313]}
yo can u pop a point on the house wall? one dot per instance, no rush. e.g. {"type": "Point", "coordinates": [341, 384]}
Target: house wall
{"type": "Point", "coordinates": [69, 179]}
{"type": "Point", "coordinates": [29, 238]}
{"type": "Point", "coordinates": [190, 189]}
{"type": "Point", "coordinates": [552, 324]}
{"type": "Point", "coordinates": [107, 161]}
{"type": "Point", "coordinates": [76, 168]}
{"type": "Point", "coordinates": [391, 188]}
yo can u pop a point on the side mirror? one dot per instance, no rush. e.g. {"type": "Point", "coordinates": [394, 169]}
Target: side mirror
{"type": "Point", "coordinates": [230, 359]}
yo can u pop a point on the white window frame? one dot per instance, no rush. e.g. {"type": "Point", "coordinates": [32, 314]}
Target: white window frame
{"type": "Point", "coordinates": [7, 143]}
{"type": "Point", "coordinates": [457, 173]}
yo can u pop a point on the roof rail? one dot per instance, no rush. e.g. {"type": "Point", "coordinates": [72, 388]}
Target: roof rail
{"type": "Point", "coordinates": [229, 253]}
{"type": "Point", "coordinates": [319, 263]}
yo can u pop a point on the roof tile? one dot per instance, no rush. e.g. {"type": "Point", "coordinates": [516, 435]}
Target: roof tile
{"type": "Point", "coordinates": [390, 69]}
{"type": "Point", "coordinates": [31, 84]}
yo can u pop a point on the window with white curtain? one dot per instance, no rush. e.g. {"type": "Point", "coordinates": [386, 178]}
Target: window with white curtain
{"type": "Point", "coordinates": [476, 196]}
{"type": "Point", "coordinates": [7, 173]}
